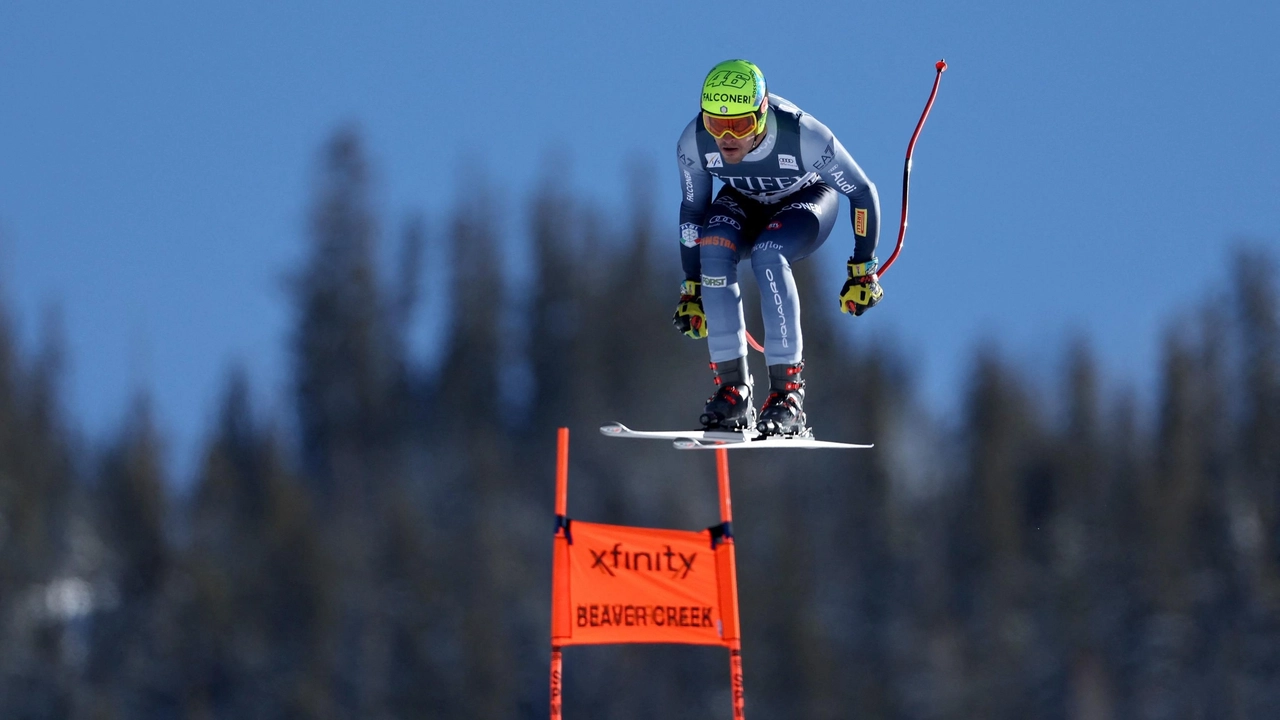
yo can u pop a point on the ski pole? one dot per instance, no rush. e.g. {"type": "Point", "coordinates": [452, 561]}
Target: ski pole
{"type": "Point", "coordinates": [906, 168]}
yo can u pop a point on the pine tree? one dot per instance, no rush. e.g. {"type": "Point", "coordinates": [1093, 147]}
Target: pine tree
{"type": "Point", "coordinates": [1256, 512]}
{"type": "Point", "coordinates": [467, 414]}
{"type": "Point", "coordinates": [999, 508]}
{"type": "Point", "coordinates": [342, 348]}
{"type": "Point", "coordinates": [126, 662]}
{"type": "Point", "coordinates": [42, 591]}
{"type": "Point", "coordinates": [1082, 537]}
{"type": "Point", "coordinates": [1258, 320]}
{"type": "Point", "coordinates": [558, 297]}
{"type": "Point", "coordinates": [258, 621]}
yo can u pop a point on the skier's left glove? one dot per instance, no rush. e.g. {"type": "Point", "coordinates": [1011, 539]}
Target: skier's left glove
{"type": "Point", "coordinates": [862, 290]}
{"type": "Point", "coordinates": [689, 318]}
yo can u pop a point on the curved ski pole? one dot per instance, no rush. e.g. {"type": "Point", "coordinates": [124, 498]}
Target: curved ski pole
{"type": "Point", "coordinates": [906, 168]}
{"type": "Point", "coordinates": [941, 66]}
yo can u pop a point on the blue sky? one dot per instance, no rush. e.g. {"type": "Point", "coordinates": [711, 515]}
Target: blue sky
{"type": "Point", "coordinates": [1085, 169]}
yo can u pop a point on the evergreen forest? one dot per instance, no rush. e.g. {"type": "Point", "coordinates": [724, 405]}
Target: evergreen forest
{"type": "Point", "coordinates": [382, 549]}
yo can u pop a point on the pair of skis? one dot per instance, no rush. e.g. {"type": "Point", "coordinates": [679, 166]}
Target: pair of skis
{"type": "Point", "coordinates": [725, 439]}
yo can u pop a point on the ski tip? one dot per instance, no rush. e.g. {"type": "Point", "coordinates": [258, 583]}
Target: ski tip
{"type": "Point", "coordinates": [614, 429]}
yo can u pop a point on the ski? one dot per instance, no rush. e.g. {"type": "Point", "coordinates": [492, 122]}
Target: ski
{"type": "Point", "coordinates": [760, 443]}
{"type": "Point", "coordinates": [727, 439]}
{"type": "Point", "coordinates": [723, 436]}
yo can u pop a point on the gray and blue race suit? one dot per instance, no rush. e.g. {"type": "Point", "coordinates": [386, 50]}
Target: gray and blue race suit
{"type": "Point", "coordinates": [777, 206]}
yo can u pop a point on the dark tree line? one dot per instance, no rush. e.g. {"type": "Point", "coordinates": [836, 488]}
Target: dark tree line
{"type": "Point", "coordinates": [384, 551]}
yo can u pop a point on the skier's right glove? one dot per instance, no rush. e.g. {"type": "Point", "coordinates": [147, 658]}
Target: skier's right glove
{"type": "Point", "coordinates": [862, 290]}
{"type": "Point", "coordinates": [689, 318]}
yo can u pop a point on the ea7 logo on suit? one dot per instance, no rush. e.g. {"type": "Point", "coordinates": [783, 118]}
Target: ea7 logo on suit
{"type": "Point", "coordinates": [827, 156]}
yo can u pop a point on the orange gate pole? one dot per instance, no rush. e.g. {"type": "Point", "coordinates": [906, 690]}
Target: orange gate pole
{"type": "Point", "coordinates": [560, 576]}
{"type": "Point", "coordinates": [729, 587]}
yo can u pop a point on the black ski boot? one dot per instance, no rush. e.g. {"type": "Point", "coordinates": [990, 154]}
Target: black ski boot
{"type": "Point", "coordinates": [730, 408]}
{"type": "Point", "coordinates": [783, 411]}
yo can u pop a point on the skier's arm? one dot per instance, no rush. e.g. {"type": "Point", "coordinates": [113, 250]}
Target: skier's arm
{"type": "Point", "coordinates": [695, 198]}
{"type": "Point", "coordinates": [823, 153]}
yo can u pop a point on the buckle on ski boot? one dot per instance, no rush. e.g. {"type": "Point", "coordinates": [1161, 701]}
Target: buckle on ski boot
{"type": "Point", "coordinates": [783, 412]}
{"type": "Point", "coordinates": [730, 408]}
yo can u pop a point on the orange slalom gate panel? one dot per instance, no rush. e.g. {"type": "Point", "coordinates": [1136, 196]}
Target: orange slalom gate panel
{"type": "Point", "coordinates": [637, 585]}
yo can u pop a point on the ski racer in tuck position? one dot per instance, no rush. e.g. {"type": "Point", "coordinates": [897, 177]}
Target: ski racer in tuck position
{"type": "Point", "coordinates": [782, 170]}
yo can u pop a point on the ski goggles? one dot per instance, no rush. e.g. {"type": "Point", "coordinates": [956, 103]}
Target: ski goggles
{"type": "Point", "coordinates": [739, 126]}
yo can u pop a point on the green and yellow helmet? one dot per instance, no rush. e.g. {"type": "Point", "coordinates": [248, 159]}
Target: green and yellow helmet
{"type": "Point", "coordinates": [732, 97]}
{"type": "Point", "coordinates": [733, 87]}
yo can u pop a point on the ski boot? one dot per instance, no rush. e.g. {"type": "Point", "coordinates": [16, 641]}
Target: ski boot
{"type": "Point", "coordinates": [730, 407]}
{"type": "Point", "coordinates": [783, 411]}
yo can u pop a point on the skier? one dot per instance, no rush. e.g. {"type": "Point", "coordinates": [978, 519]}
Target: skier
{"type": "Point", "coordinates": [781, 170]}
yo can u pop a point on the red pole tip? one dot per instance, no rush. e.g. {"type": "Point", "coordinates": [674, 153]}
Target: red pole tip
{"type": "Point", "coordinates": [942, 65]}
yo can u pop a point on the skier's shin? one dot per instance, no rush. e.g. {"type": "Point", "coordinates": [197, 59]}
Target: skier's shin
{"type": "Point", "coordinates": [780, 306]}
{"type": "Point", "coordinates": [721, 300]}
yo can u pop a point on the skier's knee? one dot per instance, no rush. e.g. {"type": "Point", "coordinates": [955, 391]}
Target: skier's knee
{"type": "Point", "coordinates": [769, 262]}
{"type": "Point", "coordinates": [718, 272]}
{"type": "Point", "coordinates": [767, 253]}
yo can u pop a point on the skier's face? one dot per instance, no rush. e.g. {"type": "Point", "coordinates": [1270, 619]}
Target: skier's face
{"type": "Point", "coordinates": [733, 149]}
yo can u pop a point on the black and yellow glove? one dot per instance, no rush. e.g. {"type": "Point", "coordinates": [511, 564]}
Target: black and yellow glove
{"type": "Point", "coordinates": [862, 290]}
{"type": "Point", "coordinates": [689, 318]}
